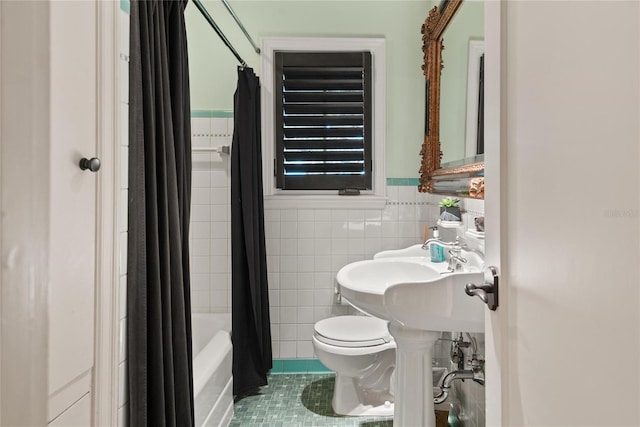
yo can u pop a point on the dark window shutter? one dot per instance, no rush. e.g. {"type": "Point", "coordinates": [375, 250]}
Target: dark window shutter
{"type": "Point", "coordinates": [323, 120]}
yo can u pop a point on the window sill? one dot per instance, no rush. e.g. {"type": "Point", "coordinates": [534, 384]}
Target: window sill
{"type": "Point", "coordinates": [282, 201]}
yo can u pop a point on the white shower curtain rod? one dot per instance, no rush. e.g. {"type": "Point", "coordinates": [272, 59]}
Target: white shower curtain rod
{"type": "Point", "coordinates": [217, 29]}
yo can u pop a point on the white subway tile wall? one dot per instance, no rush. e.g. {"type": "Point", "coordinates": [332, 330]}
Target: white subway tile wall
{"type": "Point", "coordinates": [210, 227]}
{"type": "Point", "coordinates": [123, 81]}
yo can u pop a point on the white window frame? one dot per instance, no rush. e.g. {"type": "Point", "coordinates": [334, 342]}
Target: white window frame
{"type": "Point", "coordinates": [276, 198]}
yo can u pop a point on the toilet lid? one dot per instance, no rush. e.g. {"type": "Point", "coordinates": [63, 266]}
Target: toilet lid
{"type": "Point", "coordinates": [352, 331]}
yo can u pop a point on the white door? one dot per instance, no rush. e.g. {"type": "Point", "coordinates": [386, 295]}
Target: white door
{"type": "Point", "coordinates": [495, 321]}
{"type": "Point", "coordinates": [562, 207]}
{"type": "Point", "coordinates": [73, 207]}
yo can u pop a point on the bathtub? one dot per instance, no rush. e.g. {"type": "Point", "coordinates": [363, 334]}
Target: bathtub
{"type": "Point", "coordinates": [212, 382]}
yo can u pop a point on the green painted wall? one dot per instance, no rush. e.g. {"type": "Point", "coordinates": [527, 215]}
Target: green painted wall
{"type": "Point", "coordinates": [213, 67]}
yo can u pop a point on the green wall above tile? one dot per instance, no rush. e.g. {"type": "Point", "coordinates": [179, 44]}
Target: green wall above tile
{"type": "Point", "coordinates": [213, 69]}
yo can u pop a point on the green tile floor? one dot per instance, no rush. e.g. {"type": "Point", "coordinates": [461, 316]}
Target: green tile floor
{"type": "Point", "coordinates": [296, 400]}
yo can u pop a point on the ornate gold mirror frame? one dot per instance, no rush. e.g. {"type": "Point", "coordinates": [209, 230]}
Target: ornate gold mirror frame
{"type": "Point", "coordinates": [464, 180]}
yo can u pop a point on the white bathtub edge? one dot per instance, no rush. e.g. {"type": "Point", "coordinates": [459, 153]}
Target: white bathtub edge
{"type": "Point", "coordinates": [209, 359]}
{"type": "Point", "coordinates": [226, 418]}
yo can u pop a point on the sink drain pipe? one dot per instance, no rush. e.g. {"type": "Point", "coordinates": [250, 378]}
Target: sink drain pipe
{"type": "Point", "coordinates": [476, 374]}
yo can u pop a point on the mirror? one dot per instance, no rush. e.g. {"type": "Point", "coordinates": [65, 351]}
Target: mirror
{"type": "Point", "coordinates": [453, 147]}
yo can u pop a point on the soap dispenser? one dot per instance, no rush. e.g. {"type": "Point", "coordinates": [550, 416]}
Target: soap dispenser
{"type": "Point", "coordinates": [437, 251]}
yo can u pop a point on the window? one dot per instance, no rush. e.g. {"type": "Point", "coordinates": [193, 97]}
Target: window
{"type": "Point", "coordinates": [281, 197]}
{"type": "Point", "coordinates": [323, 120]}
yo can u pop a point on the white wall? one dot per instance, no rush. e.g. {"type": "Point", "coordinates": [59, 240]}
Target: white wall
{"type": "Point", "coordinates": [572, 213]}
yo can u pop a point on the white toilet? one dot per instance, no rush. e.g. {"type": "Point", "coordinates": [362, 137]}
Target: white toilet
{"type": "Point", "coordinates": [363, 355]}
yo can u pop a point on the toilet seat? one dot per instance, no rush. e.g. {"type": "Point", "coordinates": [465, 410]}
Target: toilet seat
{"type": "Point", "coordinates": [352, 331]}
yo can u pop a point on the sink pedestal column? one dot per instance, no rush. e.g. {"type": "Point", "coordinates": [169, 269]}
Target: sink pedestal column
{"type": "Point", "coordinates": [414, 378]}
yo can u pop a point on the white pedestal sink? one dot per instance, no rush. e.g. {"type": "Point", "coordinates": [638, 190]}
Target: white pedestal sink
{"type": "Point", "coordinates": [420, 300]}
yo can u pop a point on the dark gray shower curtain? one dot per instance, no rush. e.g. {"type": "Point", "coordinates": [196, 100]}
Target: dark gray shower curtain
{"type": "Point", "coordinates": [158, 306]}
{"type": "Point", "coordinates": [251, 333]}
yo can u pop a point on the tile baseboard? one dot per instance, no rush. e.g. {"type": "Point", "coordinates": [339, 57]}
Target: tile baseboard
{"type": "Point", "coordinates": [298, 366]}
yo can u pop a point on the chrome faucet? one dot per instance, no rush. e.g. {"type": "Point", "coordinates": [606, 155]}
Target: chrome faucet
{"type": "Point", "coordinates": [455, 250]}
{"type": "Point", "coordinates": [456, 260]}
{"type": "Point", "coordinates": [446, 245]}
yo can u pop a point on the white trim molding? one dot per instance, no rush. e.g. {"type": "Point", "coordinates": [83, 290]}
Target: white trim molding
{"type": "Point", "coordinates": [105, 380]}
{"type": "Point", "coordinates": [275, 198]}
